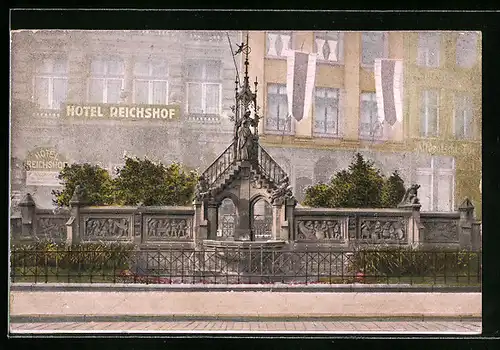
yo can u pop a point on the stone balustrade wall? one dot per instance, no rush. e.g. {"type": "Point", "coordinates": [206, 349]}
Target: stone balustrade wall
{"type": "Point", "coordinates": [154, 227]}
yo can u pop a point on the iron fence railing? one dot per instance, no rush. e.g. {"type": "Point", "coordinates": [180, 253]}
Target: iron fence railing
{"type": "Point", "coordinates": [241, 266]}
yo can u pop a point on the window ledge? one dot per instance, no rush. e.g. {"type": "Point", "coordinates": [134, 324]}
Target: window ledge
{"type": "Point", "coordinates": [50, 113]}
{"type": "Point", "coordinates": [327, 136]}
{"type": "Point", "coordinates": [279, 132]}
{"type": "Point", "coordinates": [214, 118]}
{"type": "Point", "coordinates": [276, 57]}
{"type": "Point", "coordinates": [330, 63]}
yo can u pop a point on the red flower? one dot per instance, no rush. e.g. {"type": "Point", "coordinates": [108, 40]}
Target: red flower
{"type": "Point", "coordinates": [360, 277]}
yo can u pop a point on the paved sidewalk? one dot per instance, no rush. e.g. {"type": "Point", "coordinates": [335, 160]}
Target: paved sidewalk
{"type": "Point", "coordinates": [313, 327]}
{"type": "Point", "coordinates": [244, 304]}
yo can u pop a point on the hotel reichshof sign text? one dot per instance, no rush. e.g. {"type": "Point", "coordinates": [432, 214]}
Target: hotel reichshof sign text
{"type": "Point", "coordinates": [43, 165]}
{"type": "Point", "coordinates": [120, 111]}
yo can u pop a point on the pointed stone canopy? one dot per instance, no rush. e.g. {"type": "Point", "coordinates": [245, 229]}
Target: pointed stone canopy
{"type": "Point", "coordinates": [466, 204]}
{"type": "Point", "coordinates": [244, 172]}
{"type": "Point", "coordinates": [27, 201]}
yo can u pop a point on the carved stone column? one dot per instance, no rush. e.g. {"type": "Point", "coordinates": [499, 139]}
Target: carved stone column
{"type": "Point", "coordinates": [242, 230]}
{"type": "Point", "coordinates": [199, 224]}
{"type": "Point", "coordinates": [288, 224]}
{"type": "Point", "coordinates": [212, 219]}
{"type": "Point", "coordinates": [414, 225]}
{"type": "Point", "coordinates": [28, 216]}
{"type": "Point", "coordinates": [75, 204]}
{"type": "Point", "coordinates": [465, 233]}
{"type": "Point", "coordinates": [139, 235]}
{"type": "Point", "coordinates": [277, 213]}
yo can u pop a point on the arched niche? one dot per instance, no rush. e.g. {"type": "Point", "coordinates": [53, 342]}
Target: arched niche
{"type": "Point", "coordinates": [227, 219]}
{"type": "Point", "coordinates": [261, 219]}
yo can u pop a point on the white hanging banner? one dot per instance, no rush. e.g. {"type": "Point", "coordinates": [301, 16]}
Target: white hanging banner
{"type": "Point", "coordinates": [389, 89]}
{"type": "Point", "coordinates": [301, 75]}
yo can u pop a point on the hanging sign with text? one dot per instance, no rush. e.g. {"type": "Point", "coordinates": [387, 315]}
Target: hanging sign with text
{"type": "Point", "coordinates": [43, 165]}
{"type": "Point", "coordinates": [120, 111]}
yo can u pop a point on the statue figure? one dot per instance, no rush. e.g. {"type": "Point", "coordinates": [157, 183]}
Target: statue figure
{"type": "Point", "coordinates": [410, 196]}
{"type": "Point", "coordinates": [284, 190]}
{"type": "Point", "coordinates": [245, 143]}
{"type": "Point", "coordinates": [202, 187]}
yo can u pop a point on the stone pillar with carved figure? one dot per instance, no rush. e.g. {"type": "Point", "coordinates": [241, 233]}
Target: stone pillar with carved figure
{"type": "Point", "coordinates": [28, 216]}
{"type": "Point", "coordinates": [411, 202]}
{"type": "Point", "coordinates": [466, 220]}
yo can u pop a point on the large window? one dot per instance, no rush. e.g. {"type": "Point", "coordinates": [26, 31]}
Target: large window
{"type": "Point", "coordinates": [326, 107]}
{"type": "Point", "coordinates": [429, 48]}
{"type": "Point", "coordinates": [373, 46]}
{"type": "Point", "coordinates": [436, 177]}
{"type": "Point", "coordinates": [329, 46]}
{"type": "Point", "coordinates": [277, 118]}
{"type": "Point", "coordinates": [106, 80]}
{"type": "Point", "coordinates": [278, 44]}
{"type": "Point", "coordinates": [204, 87]}
{"type": "Point", "coordinates": [429, 113]}
{"type": "Point", "coordinates": [51, 82]}
{"type": "Point", "coordinates": [466, 50]}
{"type": "Point", "coordinates": [463, 115]}
{"type": "Point", "coordinates": [369, 125]}
{"type": "Point", "coordinates": [151, 82]}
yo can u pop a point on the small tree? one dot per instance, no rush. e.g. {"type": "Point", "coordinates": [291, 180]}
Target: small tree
{"type": "Point", "coordinates": [360, 186]}
{"type": "Point", "coordinates": [150, 183]}
{"type": "Point", "coordinates": [393, 191]}
{"type": "Point", "coordinates": [318, 195]}
{"type": "Point", "coordinates": [96, 182]}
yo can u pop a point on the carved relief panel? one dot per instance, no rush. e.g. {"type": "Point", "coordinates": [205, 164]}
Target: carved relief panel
{"type": "Point", "coordinates": [440, 231]}
{"type": "Point", "coordinates": [383, 230]}
{"type": "Point", "coordinates": [163, 228]}
{"type": "Point", "coordinates": [323, 229]}
{"type": "Point", "coordinates": [51, 228]}
{"type": "Point", "coordinates": [107, 228]}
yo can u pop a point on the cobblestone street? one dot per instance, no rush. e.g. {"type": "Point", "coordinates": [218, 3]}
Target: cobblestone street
{"type": "Point", "coordinates": [317, 327]}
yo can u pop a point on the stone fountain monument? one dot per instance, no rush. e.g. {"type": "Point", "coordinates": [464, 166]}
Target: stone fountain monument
{"type": "Point", "coordinates": [245, 173]}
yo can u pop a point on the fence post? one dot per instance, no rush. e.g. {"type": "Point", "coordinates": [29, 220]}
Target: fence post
{"type": "Point", "coordinates": [75, 203]}
{"type": "Point", "coordinates": [466, 210]}
{"type": "Point", "coordinates": [28, 216]}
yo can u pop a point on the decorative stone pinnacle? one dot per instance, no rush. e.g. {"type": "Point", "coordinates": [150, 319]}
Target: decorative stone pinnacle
{"type": "Point", "coordinates": [77, 197]}
{"type": "Point", "coordinates": [27, 201]}
{"type": "Point", "coordinates": [466, 205]}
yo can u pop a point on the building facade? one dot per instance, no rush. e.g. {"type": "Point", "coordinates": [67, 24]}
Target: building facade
{"type": "Point", "coordinates": [69, 87]}
{"type": "Point", "coordinates": [438, 144]}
